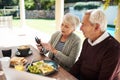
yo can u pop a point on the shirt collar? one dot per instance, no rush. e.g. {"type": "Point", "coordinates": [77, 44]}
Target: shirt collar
{"type": "Point", "coordinates": [100, 39]}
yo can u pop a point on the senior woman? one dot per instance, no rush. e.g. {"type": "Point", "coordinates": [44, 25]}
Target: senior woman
{"type": "Point", "coordinates": [64, 45]}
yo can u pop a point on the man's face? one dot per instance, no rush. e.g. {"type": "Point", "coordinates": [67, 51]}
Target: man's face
{"type": "Point", "coordinates": [87, 27]}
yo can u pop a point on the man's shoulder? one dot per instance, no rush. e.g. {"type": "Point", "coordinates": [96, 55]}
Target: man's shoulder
{"type": "Point", "coordinates": [112, 41]}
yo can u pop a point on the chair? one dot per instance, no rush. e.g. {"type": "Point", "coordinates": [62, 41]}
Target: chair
{"type": "Point", "coordinates": [5, 21]}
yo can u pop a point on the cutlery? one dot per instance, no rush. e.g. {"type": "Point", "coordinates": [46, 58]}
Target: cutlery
{"type": "Point", "coordinates": [29, 64]}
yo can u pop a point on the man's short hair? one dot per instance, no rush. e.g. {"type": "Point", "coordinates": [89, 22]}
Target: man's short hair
{"type": "Point", "coordinates": [97, 16]}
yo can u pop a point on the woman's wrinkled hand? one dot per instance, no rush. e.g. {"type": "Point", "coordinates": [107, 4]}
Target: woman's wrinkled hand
{"type": "Point", "coordinates": [39, 47]}
{"type": "Point", "coordinates": [49, 47]}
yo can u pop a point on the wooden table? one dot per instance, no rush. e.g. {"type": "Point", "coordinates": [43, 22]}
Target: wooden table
{"type": "Point", "coordinates": [61, 74]}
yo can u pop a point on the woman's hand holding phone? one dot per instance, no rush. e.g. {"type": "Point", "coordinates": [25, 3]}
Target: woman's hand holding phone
{"type": "Point", "coordinates": [39, 45]}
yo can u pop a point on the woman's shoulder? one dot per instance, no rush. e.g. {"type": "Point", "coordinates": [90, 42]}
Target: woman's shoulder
{"type": "Point", "coordinates": [56, 33]}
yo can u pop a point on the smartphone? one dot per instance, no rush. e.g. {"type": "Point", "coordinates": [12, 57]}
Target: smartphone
{"type": "Point", "coordinates": [38, 41]}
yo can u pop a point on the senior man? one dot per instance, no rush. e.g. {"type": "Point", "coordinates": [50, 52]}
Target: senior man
{"type": "Point", "coordinates": [100, 51]}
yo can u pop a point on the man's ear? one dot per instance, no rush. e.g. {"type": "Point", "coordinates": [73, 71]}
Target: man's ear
{"type": "Point", "coordinates": [97, 26]}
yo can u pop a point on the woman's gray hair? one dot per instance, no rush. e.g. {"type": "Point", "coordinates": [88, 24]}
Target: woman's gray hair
{"type": "Point", "coordinates": [98, 16]}
{"type": "Point", "coordinates": [71, 19]}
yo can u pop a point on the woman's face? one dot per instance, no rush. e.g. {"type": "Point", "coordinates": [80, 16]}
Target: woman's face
{"type": "Point", "coordinates": [66, 29]}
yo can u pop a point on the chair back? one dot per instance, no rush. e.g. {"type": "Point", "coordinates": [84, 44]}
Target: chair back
{"type": "Point", "coordinates": [5, 21]}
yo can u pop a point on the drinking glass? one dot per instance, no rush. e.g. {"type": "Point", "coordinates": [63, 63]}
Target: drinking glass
{"type": "Point", "coordinates": [5, 62]}
{"type": "Point", "coordinates": [6, 52]}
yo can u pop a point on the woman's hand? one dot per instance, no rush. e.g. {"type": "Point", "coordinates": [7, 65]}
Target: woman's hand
{"type": "Point", "coordinates": [39, 47]}
{"type": "Point", "coordinates": [49, 47]}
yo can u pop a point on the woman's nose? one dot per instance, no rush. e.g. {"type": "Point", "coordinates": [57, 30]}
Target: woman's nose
{"type": "Point", "coordinates": [62, 27]}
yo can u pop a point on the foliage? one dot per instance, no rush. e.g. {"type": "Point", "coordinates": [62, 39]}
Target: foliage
{"type": "Point", "coordinates": [10, 2]}
{"type": "Point", "coordinates": [116, 1]}
{"type": "Point", "coordinates": [71, 1]}
{"type": "Point", "coordinates": [47, 4]}
{"type": "Point", "coordinates": [14, 2]}
{"type": "Point", "coordinates": [29, 4]}
{"type": "Point", "coordinates": [109, 2]}
{"type": "Point", "coordinates": [39, 4]}
{"type": "Point", "coordinates": [1, 14]}
{"type": "Point", "coordinates": [88, 5]}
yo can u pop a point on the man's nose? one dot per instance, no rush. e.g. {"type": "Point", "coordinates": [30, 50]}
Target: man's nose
{"type": "Point", "coordinates": [80, 26]}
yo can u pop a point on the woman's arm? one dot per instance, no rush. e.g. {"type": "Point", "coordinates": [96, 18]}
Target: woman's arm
{"type": "Point", "coordinates": [69, 60]}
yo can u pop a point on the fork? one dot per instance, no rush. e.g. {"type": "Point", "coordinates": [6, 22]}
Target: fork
{"type": "Point", "coordinates": [29, 64]}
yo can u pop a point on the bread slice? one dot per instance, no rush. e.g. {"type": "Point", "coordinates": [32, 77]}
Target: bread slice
{"type": "Point", "coordinates": [16, 60]}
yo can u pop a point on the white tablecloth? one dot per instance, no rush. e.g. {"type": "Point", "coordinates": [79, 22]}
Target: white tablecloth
{"type": "Point", "coordinates": [12, 74]}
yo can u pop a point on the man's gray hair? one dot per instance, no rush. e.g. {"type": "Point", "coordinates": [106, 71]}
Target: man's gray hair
{"type": "Point", "coordinates": [71, 19]}
{"type": "Point", "coordinates": [98, 16]}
